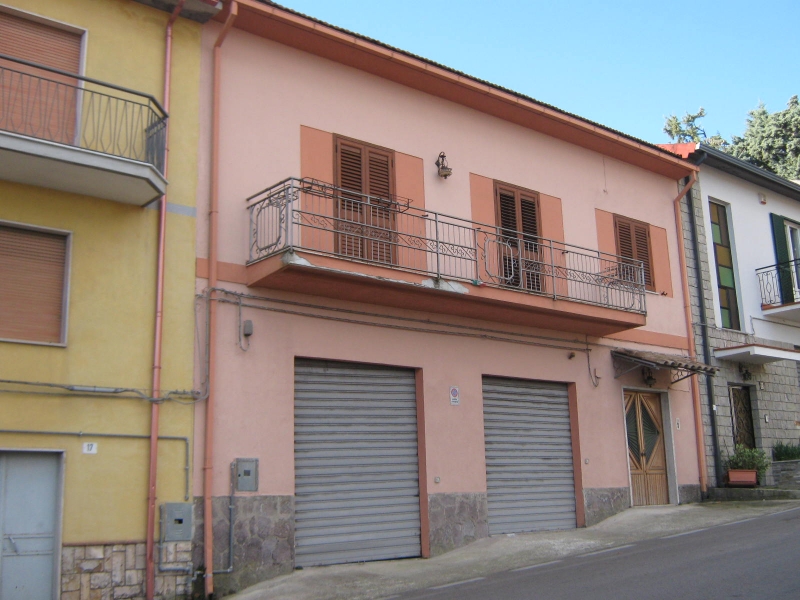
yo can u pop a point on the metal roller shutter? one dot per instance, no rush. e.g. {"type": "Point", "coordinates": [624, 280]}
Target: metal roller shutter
{"type": "Point", "coordinates": [529, 473]}
{"type": "Point", "coordinates": [356, 469]}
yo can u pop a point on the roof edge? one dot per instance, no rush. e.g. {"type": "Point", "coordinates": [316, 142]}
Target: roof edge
{"type": "Point", "coordinates": [700, 153]}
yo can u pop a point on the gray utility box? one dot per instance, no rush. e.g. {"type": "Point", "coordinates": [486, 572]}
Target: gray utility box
{"type": "Point", "coordinates": [246, 471]}
{"type": "Point", "coordinates": [176, 521]}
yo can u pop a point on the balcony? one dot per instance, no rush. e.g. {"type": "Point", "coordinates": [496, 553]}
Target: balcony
{"type": "Point", "coordinates": [79, 135]}
{"type": "Point", "coordinates": [312, 237]}
{"type": "Point", "coordinates": [780, 290]}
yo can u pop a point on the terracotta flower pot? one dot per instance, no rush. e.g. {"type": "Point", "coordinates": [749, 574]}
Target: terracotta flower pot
{"type": "Point", "coordinates": [742, 478]}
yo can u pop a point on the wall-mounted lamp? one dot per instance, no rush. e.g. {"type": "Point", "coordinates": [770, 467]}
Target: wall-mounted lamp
{"type": "Point", "coordinates": [745, 373]}
{"type": "Point", "coordinates": [762, 198]}
{"type": "Point", "coordinates": [648, 377]}
{"type": "Point", "coordinates": [441, 163]}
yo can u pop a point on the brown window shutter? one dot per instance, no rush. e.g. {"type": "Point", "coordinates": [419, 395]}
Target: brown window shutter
{"type": "Point", "coordinates": [633, 241]}
{"type": "Point", "coordinates": [379, 173]}
{"type": "Point", "coordinates": [32, 272]}
{"type": "Point", "coordinates": [369, 222]}
{"type": "Point", "coordinates": [529, 211]}
{"type": "Point", "coordinates": [40, 43]}
{"type": "Point", "coordinates": [507, 204]}
{"type": "Point", "coordinates": [39, 103]}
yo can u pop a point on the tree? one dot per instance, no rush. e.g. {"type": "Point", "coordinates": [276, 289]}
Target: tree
{"type": "Point", "coordinates": [687, 129]}
{"type": "Point", "coordinates": [770, 141]}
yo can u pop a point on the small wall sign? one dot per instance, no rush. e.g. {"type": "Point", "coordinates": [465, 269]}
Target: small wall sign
{"type": "Point", "coordinates": [455, 397]}
{"type": "Point", "coordinates": [90, 447]}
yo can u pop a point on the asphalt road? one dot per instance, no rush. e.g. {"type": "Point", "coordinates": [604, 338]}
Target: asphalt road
{"type": "Point", "coordinates": [754, 559]}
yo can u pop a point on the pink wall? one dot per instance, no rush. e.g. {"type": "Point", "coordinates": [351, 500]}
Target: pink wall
{"type": "Point", "coordinates": [255, 412]}
{"type": "Point", "coordinates": [269, 92]}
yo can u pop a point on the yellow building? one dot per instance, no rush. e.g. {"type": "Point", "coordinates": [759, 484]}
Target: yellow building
{"type": "Point", "coordinates": [85, 115]}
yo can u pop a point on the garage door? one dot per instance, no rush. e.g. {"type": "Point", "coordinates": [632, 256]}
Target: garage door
{"type": "Point", "coordinates": [529, 473]}
{"type": "Point", "coordinates": [356, 469]}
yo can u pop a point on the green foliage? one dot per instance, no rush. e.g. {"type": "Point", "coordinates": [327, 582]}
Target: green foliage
{"type": "Point", "coordinates": [782, 451]}
{"type": "Point", "coordinates": [687, 128]}
{"type": "Point", "coordinates": [771, 141]}
{"type": "Point", "coordinates": [748, 458]}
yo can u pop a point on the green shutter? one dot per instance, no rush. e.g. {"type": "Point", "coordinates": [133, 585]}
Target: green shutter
{"type": "Point", "coordinates": [782, 256]}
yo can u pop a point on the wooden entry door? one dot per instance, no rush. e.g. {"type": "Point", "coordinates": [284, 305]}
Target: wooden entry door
{"type": "Point", "coordinates": [742, 409]}
{"type": "Point", "coordinates": [646, 452]}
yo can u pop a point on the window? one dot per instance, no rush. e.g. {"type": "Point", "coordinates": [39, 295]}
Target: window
{"type": "Point", "coordinates": [518, 215]}
{"type": "Point", "coordinates": [39, 103]}
{"type": "Point", "coordinates": [33, 277]}
{"type": "Point", "coordinates": [633, 242]}
{"type": "Point", "coordinates": [365, 219]}
{"type": "Point", "coordinates": [723, 257]}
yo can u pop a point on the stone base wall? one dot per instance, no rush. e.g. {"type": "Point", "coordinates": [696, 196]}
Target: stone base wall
{"type": "Point", "coordinates": [689, 494]}
{"type": "Point", "coordinates": [457, 520]}
{"type": "Point", "coordinates": [601, 503]}
{"type": "Point", "coordinates": [787, 474]}
{"type": "Point", "coordinates": [263, 539]}
{"type": "Point", "coordinates": [113, 571]}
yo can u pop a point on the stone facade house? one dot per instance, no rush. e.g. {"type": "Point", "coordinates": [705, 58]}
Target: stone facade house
{"type": "Point", "coordinates": [742, 239]}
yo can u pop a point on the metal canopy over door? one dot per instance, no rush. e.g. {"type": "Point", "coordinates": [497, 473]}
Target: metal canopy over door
{"type": "Point", "coordinates": [356, 466]}
{"type": "Point", "coordinates": [29, 501]}
{"type": "Point", "coordinates": [648, 459]}
{"type": "Point", "coordinates": [529, 474]}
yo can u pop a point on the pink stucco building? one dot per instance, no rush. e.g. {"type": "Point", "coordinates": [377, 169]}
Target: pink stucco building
{"type": "Point", "coordinates": [409, 359]}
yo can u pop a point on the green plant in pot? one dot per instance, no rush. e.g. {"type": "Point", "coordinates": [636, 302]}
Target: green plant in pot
{"type": "Point", "coordinates": [746, 465]}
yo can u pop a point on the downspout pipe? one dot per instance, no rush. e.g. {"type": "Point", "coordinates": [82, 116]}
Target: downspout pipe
{"type": "Point", "coordinates": [687, 311]}
{"type": "Point", "coordinates": [712, 414]}
{"type": "Point", "coordinates": [213, 241]}
{"type": "Point", "coordinates": [150, 575]}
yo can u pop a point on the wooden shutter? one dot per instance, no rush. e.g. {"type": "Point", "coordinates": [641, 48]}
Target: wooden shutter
{"type": "Point", "coordinates": [32, 278]}
{"type": "Point", "coordinates": [518, 217]}
{"type": "Point", "coordinates": [633, 241]}
{"type": "Point", "coordinates": [40, 43]}
{"type": "Point", "coordinates": [39, 103]}
{"type": "Point", "coordinates": [366, 215]}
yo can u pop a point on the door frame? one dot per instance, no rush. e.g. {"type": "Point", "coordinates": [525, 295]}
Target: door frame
{"type": "Point", "coordinates": [669, 441]}
{"type": "Point", "coordinates": [57, 539]}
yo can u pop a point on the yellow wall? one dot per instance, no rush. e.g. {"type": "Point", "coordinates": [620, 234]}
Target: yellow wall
{"type": "Point", "coordinates": [112, 290]}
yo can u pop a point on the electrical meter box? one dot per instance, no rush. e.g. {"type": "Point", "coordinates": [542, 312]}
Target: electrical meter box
{"type": "Point", "coordinates": [246, 471]}
{"type": "Point", "coordinates": [176, 521]}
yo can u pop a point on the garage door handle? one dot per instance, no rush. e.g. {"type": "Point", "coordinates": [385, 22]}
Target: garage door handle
{"type": "Point", "coordinates": [13, 544]}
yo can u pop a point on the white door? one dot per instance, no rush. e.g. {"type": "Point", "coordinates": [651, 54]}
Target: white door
{"type": "Point", "coordinates": [29, 493]}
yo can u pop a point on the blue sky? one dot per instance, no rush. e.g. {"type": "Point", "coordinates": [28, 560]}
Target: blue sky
{"type": "Point", "coordinates": [625, 64]}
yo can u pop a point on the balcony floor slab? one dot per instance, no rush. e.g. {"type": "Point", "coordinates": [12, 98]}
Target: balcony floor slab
{"type": "Point", "coordinates": [347, 280]}
{"type": "Point", "coordinates": [56, 166]}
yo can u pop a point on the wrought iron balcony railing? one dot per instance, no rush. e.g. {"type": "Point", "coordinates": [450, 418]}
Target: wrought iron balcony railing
{"type": "Point", "coordinates": [316, 217]}
{"type": "Point", "coordinates": [56, 106]}
{"type": "Point", "coordinates": [780, 283]}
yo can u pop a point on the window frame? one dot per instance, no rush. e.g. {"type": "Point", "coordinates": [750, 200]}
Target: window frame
{"type": "Point", "coordinates": [651, 287]}
{"type": "Point", "coordinates": [62, 343]}
{"type": "Point", "coordinates": [726, 208]}
{"type": "Point", "coordinates": [365, 252]}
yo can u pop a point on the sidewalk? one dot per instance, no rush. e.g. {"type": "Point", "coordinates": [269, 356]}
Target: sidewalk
{"type": "Point", "coordinates": [368, 581]}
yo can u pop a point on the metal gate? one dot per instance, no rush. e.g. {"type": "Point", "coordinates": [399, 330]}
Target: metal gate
{"type": "Point", "coordinates": [29, 500]}
{"type": "Point", "coordinates": [529, 474]}
{"type": "Point", "coordinates": [356, 466]}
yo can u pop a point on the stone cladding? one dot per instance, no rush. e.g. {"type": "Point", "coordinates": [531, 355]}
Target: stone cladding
{"type": "Point", "coordinates": [457, 520]}
{"type": "Point", "coordinates": [115, 571]}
